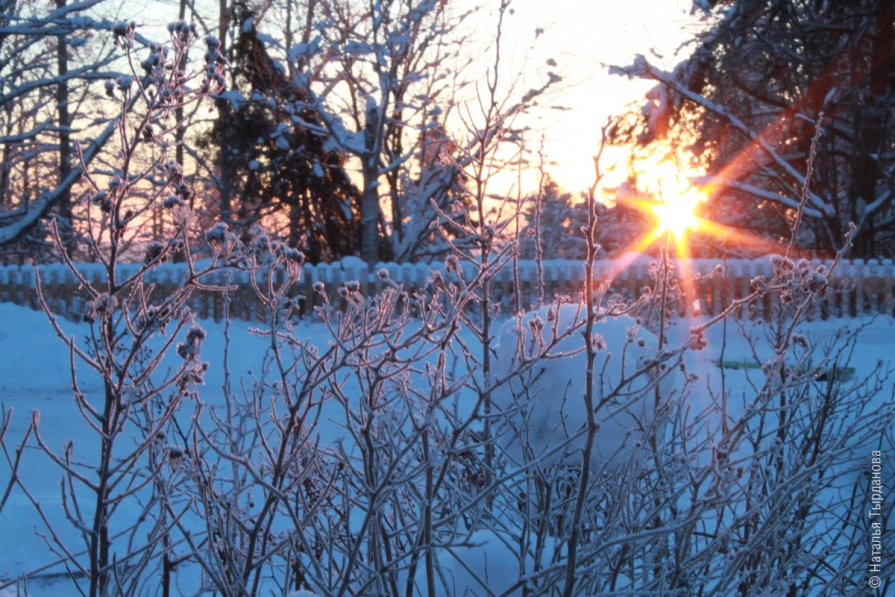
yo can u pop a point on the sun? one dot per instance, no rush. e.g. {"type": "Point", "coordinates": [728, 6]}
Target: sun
{"type": "Point", "coordinates": [669, 196]}
{"type": "Point", "coordinates": [676, 216]}
{"type": "Point", "coordinates": [673, 196]}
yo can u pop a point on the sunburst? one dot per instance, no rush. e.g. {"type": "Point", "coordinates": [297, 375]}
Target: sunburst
{"type": "Point", "coordinates": [676, 217]}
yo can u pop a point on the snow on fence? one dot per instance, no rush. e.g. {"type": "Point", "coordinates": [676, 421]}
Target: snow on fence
{"type": "Point", "coordinates": [858, 287]}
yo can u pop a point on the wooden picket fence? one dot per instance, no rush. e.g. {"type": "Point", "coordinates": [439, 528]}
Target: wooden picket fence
{"type": "Point", "coordinates": [858, 287]}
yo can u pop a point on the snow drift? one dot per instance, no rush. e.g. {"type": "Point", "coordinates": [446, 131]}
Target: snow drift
{"type": "Point", "coordinates": [543, 409]}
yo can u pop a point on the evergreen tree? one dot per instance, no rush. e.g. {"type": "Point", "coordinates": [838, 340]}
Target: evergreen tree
{"type": "Point", "coordinates": [274, 161]}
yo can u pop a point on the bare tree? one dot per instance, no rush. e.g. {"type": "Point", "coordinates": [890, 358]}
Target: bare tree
{"type": "Point", "coordinates": [126, 317]}
{"type": "Point", "coordinates": [383, 92]}
{"type": "Point", "coordinates": [41, 105]}
{"type": "Point", "coordinates": [425, 436]}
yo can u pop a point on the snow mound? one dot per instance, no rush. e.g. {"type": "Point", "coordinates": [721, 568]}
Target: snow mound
{"type": "Point", "coordinates": [543, 406]}
{"type": "Point", "coordinates": [487, 564]}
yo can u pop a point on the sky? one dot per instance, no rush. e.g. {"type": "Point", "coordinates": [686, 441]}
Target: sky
{"type": "Point", "coordinates": [584, 38]}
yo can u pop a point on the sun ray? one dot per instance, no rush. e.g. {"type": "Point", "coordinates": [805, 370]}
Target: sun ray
{"type": "Point", "coordinates": [685, 275]}
{"type": "Point", "coordinates": [675, 217]}
{"type": "Point", "coordinates": [630, 252]}
{"type": "Point", "coordinates": [674, 220]}
{"type": "Point", "coordinates": [739, 237]}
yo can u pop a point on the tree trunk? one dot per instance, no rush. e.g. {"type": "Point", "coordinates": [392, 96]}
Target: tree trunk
{"type": "Point", "coordinates": [64, 119]}
{"type": "Point", "coordinates": [226, 187]}
{"type": "Point", "coordinates": [369, 205]}
{"type": "Point", "coordinates": [370, 209]}
{"type": "Point", "coordinates": [869, 124]}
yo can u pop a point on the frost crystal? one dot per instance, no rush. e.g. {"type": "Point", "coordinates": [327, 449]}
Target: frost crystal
{"type": "Point", "coordinates": [154, 251]}
{"type": "Point", "coordinates": [189, 349]}
{"type": "Point", "coordinates": [218, 234]}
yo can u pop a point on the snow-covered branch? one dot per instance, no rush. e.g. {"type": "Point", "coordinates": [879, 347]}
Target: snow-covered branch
{"type": "Point", "coordinates": [642, 68]}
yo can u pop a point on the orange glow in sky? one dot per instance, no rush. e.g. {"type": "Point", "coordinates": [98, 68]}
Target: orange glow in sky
{"type": "Point", "coordinates": [582, 39]}
{"type": "Point", "coordinates": [674, 198]}
{"type": "Point", "coordinates": [676, 217]}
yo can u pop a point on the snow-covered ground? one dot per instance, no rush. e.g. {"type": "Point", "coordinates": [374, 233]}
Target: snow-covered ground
{"type": "Point", "coordinates": [35, 378]}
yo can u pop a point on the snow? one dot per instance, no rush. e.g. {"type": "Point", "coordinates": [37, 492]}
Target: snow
{"type": "Point", "coordinates": [358, 48]}
{"type": "Point", "coordinates": [304, 50]}
{"type": "Point", "coordinates": [353, 142]}
{"type": "Point", "coordinates": [353, 264]}
{"type": "Point", "coordinates": [233, 96]}
{"type": "Point", "coordinates": [629, 273]}
{"type": "Point", "coordinates": [487, 562]}
{"type": "Point", "coordinates": [551, 394]}
{"type": "Point", "coordinates": [34, 376]}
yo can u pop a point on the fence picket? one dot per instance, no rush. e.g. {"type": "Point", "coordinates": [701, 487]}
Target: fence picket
{"type": "Point", "coordinates": [857, 287]}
